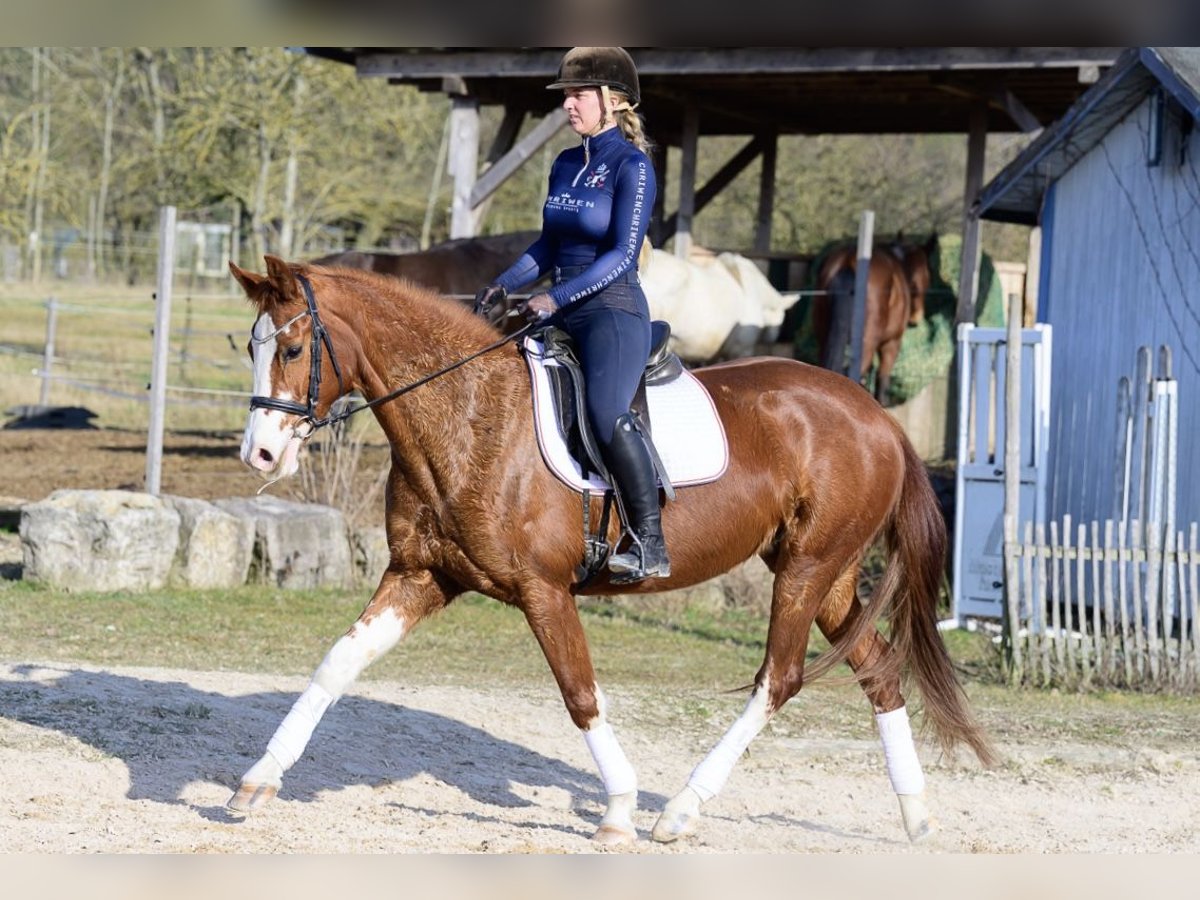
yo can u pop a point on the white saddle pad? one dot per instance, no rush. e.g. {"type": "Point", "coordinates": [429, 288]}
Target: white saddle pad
{"type": "Point", "coordinates": [688, 434]}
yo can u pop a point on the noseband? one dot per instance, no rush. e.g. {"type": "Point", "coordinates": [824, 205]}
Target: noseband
{"type": "Point", "coordinates": [308, 411]}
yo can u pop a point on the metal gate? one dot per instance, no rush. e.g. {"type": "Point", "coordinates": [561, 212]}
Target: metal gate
{"type": "Point", "coordinates": [978, 586]}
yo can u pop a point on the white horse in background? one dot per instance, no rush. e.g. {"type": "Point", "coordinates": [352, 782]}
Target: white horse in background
{"type": "Point", "coordinates": [720, 306]}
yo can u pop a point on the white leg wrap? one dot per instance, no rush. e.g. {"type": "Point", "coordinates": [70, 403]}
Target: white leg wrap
{"type": "Point", "coordinates": [294, 732]}
{"type": "Point", "coordinates": [615, 770]}
{"type": "Point", "coordinates": [709, 777]}
{"type": "Point", "coordinates": [904, 769]}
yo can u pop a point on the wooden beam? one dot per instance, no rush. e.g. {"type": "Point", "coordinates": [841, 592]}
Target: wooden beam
{"type": "Point", "coordinates": [524, 63]}
{"type": "Point", "coordinates": [968, 280]}
{"type": "Point", "coordinates": [506, 134]}
{"type": "Point", "coordinates": [766, 194]}
{"type": "Point", "coordinates": [687, 183]}
{"type": "Point", "coordinates": [504, 167]}
{"type": "Point", "coordinates": [1017, 111]}
{"type": "Point", "coordinates": [463, 162]}
{"type": "Point", "coordinates": [719, 181]}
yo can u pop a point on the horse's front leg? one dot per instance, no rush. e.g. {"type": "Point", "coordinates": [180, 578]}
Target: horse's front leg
{"type": "Point", "coordinates": [554, 619]}
{"type": "Point", "coordinates": [400, 601]}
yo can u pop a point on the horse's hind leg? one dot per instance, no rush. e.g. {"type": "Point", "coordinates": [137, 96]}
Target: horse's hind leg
{"type": "Point", "coordinates": [883, 375]}
{"type": "Point", "coordinates": [872, 660]}
{"type": "Point", "coordinates": [400, 601]}
{"type": "Point", "coordinates": [801, 583]}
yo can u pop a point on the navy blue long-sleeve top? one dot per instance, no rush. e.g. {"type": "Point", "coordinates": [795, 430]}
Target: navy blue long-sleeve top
{"type": "Point", "coordinates": [596, 213]}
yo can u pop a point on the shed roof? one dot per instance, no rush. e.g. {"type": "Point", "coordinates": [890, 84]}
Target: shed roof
{"type": "Point", "coordinates": [791, 90]}
{"type": "Point", "coordinates": [1016, 193]}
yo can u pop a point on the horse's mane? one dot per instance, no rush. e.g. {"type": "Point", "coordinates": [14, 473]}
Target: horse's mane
{"type": "Point", "coordinates": [399, 293]}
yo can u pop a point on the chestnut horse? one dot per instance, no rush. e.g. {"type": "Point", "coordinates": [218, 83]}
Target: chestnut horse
{"type": "Point", "coordinates": [816, 472]}
{"type": "Point", "coordinates": [889, 310]}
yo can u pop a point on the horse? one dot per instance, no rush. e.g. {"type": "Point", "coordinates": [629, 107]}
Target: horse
{"type": "Point", "coordinates": [915, 258]}
{"type": "Point", "coordinates": [889, 311]}
{"type": "Point", "coordinates": [719, 305]}
{"type": "Point", "coordinates": [817, 470]}
{"type": "Point", "coordinates": [456, 266]}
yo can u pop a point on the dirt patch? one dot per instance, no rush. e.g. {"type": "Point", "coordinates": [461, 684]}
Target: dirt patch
{"type": "Point", "coordinates": [143, 760]}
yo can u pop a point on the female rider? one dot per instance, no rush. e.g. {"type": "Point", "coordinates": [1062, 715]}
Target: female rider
{"type": "Point", "coordinates": [594, 222]}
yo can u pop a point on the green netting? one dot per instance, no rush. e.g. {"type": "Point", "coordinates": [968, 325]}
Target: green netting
{"type": "Point", "coordinates": [928, 348]}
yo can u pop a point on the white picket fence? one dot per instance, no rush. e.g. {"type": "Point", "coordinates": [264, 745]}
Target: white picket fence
{"type": "Point", "coordinates": [1105, 605]}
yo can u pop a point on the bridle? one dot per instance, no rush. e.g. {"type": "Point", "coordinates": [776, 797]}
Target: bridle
{"type": "Point", "coordinates": [320, 338]}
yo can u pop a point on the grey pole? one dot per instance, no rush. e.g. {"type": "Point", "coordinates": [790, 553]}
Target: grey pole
{"type": "Point", "coordinates": [48, 350]}
{"type": "Point", "coordinates": [162, 335]}
{"type": "Point", "coordinates": [862, 270]}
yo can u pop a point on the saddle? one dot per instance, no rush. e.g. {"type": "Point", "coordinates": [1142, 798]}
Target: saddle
{"type": "Point", "coordinates": [568, 391]}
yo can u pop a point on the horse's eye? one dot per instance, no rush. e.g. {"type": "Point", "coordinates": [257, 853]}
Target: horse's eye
{"type": "Point", "coordinates": [292, 352]}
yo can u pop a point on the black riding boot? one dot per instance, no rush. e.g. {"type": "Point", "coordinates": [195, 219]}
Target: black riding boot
{"type": "Point", "coordinates": [636, 482]}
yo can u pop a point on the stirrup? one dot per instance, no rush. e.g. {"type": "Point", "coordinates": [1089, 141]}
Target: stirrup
{"type": "Point", "coordinates": [633, 568]}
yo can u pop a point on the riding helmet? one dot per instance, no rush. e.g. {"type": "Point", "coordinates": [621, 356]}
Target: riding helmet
{"type": "Point", "coordinates": [594, 66]}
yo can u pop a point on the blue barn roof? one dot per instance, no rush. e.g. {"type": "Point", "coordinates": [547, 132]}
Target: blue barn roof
{"type": "Point", "coordinates": [1015, 194]}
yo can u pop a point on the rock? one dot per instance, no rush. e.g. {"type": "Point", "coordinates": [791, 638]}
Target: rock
{"type": "Point", "coordinates": [296, 545]}
{"type": "Point", "coordinates": [99, 540]}
{"type": "Point", "coordinates": [215, 546]}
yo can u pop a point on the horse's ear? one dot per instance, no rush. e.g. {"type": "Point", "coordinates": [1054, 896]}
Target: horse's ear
{"type": "Point", "coordinates": [248, 280]}
{"type": "Point", "coordinates": [282, 276]}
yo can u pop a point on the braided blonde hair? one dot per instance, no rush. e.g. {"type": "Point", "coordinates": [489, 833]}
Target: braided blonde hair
{"type": "Point", "coordinates": [633, 129]}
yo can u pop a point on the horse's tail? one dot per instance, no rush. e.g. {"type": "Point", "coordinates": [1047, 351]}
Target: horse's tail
{"type": "Point", "coordinates": [840, 293]}
{"type": "Point", "coordinates": [916, 540]}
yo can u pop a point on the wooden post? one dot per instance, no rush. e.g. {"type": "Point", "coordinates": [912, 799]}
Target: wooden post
{"type": "Point", "coordinates": [1194, 599]}
{"type": "Point", "coordinates": [162, 338]}
{"type": "Point", "coordinates": [1105, 643]}
{"type": "Point", "coordinates": [1012, 471]}
{"type": "Point", "coordinates": [766, 194]}
{"type": "Point", "coordinates": [1033, 275]}
{"type": "Point", "coordinates": [1124, 565]}
{"type": "Point", "coordinates": [862, 270]}
{"type": "Point", "coordinates": [48, 350]}
{"type": "Point", "coordinates": [689, 142]}
{"type": "Point", "coordinates": [463, 163]}
{"type": "Point", "coordinates": [1084, 644]}
{"type": "Point", "coordinates": [968, 277]}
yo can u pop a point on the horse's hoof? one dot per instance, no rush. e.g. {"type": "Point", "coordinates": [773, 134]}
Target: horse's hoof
{"type": "Point", "coordinates": [918, 823]}
{"type": "Point", "coordinates": [614, 836]}
{"type": "Point", "coordinates": [922, 831]}
{"type": "Point", "coordinates": [679, 817]}
{"type": "Point", "coordinates": [250, 797]}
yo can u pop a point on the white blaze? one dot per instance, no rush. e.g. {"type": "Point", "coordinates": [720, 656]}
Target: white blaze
{"type": "Point", "coordinates": [269, 442]}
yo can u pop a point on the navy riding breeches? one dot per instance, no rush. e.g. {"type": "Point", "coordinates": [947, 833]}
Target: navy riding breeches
{"type": "Point", "coordinates": [613, 343]}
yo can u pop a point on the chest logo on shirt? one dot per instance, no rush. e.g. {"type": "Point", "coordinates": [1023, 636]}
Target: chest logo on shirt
{"type": "Point", "coordinates": [564, 201]}
{"type": "Point", "coordinates": [597, 176]}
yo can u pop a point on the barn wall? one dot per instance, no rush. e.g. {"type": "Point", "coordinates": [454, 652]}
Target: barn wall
{"type": "Point", "coordinates": [1123, 271]}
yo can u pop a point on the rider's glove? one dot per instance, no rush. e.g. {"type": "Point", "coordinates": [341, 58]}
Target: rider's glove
{"type": "Point", "coordinates": [488, 297]}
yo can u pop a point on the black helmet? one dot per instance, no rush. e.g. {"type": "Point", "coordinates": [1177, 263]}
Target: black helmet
{"type": "Point", "coordinates": [594, 66]}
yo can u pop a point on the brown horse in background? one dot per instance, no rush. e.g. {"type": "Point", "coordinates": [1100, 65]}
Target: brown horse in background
{"type": "Point", "coordinates": [889, 310]}
{"type": "Point", "coordinates": [916, 260]}
{"type": "Point", "coordinates": [459, 266]}
{"type": "Point", "coordinates": [817, 471]}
